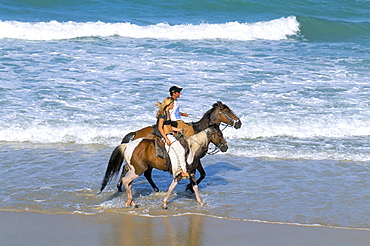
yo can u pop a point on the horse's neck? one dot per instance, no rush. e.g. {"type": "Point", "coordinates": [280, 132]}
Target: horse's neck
{"type": "Point", "coordinates": [198, 141]}
{"type": "Point", "coordinates": [203, 123]}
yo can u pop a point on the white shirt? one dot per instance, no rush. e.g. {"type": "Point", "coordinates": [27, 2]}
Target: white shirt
{"type": "Point", "coordinates": [175, 112]}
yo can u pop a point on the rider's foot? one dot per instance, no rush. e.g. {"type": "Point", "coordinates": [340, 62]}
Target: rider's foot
{"type": "Point", "coordinates": [185, 175]}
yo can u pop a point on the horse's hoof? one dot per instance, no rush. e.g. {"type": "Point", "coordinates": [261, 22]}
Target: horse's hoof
{"type": "Point", "coordinates": [165, 207]}
{"type": "Point", "coordinates": [156, 190]}
{"type": "Point", "coordinates": [189, 188]}
{"type": "Point", "coordinates": [131, 205]}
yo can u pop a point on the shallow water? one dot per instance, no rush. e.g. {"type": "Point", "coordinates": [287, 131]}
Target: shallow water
{"type": "Point", "coordinates": [60, 178]}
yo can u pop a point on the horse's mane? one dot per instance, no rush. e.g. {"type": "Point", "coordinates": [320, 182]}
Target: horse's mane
{"type": "Point", "coordinates": [198, 138]}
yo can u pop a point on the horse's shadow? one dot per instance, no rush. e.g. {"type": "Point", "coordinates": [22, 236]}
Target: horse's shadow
{"type": "Point", "coordinates": [214, 174]}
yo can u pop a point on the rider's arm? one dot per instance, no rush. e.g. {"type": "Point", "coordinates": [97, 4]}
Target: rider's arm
{"type": "Point", "coordinates": [161, 130]}
{"type": "Point", "coordinates": [177, 129]}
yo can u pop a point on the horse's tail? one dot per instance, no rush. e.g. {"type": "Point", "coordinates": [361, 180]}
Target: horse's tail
{"type": "Point", "coordinates": [114, 165]}
{"type": "Point", "coordinates": [129, 137]}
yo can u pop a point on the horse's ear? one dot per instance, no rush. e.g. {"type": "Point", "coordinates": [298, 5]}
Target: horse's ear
{"type": "Point", "coordinates": [219, 103]}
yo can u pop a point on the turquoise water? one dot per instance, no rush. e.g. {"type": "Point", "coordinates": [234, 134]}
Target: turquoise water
{"type": "Point", "coordinates": [76, 76]}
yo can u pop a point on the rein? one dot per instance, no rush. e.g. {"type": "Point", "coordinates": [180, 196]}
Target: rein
{"type": "Point", "coordinates": [224, 125]}
{"type": "Point", "coordinates": [214, 151]}
{"type": "Point", "coordinates": [231, 121]}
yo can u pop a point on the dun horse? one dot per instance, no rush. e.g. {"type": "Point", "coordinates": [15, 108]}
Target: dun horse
{"type": "Point", "coordinates": [140, 156]}
{"type": "Point", "coordinates": [219, 113]}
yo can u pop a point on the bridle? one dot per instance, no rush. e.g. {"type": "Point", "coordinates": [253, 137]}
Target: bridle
{"type": "Point", "coordinates": [231, 121]}
{"type": "Point", "coordinates": [218, 146]}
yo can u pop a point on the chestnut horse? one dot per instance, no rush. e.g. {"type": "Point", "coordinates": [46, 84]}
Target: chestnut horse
{"type": "Point", "coordinates": [219, 113]}
{"type": "Point", "coordinates": [140, 156]}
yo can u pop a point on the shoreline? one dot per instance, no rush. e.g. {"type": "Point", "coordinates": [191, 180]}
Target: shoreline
{"type": "Point", "coordinates": [28, 228]}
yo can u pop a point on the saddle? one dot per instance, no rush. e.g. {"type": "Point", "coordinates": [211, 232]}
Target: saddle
{"type": "Point", "coordinates": [160, 148]}
{"type": "Point", "coordinates": [161, 151]}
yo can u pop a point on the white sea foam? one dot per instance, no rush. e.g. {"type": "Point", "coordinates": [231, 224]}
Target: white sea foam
{"type": "Point", "coordinates": [68, 134]}
{"type": "Point", "coordinates": [277, 29]}
{"type": "Point", "coordinates": [252, 129]}
{"type": "Point", "coordinates": [311, 126]}
{"type": "Point", "coordinates": [273, 138]}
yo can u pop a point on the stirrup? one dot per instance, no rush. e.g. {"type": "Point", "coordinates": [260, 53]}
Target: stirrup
{"type": "Point", "coordinates": [185, 176]}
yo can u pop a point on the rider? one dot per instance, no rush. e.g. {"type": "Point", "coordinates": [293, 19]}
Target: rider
{"type": "Point", "coordinates": [165, 130]}
{"type": "Point", "coordinates": [175, 93]}
{"type": "Point", "coordinates": [175, 113]}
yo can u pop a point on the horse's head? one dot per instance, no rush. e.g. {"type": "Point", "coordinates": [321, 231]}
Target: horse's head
{"type": "Point", "coordinates": [217, 138]}
{"type": "Point", "coordinates": [224, 114]}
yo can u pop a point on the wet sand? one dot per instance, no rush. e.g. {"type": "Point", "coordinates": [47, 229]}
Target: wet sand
{"type": "Point", "coordinates": [117, 229]}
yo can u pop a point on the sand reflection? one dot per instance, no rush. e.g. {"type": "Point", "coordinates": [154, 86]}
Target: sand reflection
{"type": "Point", "coordinates": [145, 231]}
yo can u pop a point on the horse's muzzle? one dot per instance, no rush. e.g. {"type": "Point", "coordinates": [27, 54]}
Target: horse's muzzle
{"type": "Point", "coordinates": [238, 124]}
{"type": "Point", "coordinates": [224, 148]}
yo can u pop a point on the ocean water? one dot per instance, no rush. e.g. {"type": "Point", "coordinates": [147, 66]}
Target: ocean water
{"type": "Point", "coordinates": [76, 76]}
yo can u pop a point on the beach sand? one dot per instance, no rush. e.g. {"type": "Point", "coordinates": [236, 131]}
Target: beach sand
{"type": "Point", "coordinates": [27, 228]}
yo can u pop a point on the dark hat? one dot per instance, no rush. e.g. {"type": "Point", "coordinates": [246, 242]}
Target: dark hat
{"type": "Point", "coordinates": [174, 89]}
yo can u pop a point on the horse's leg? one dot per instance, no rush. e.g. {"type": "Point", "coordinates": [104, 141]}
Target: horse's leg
{"type": "Point", "coordinates": [124, 171]}
{"type": "Point", "coordinates": [148, 176]}
{"type": "Point", "coordinates": [201, 172]}
{"type": "Point", "coordinates": [196, 190]}
{"type": "Point", "coordinates": [127, 182]}
{"type": "Point", "coordinates": [129, 201]}
{"type": "Point", "coordinates": [174, 182]}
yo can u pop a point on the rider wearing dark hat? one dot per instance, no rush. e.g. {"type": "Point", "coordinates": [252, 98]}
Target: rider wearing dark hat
{"type": "Point", "coordinates": [175, 89]}
{"type": "Point", "coordinates": [175, 93]}
{"type": "Point", "coordinates": [176, 114]}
